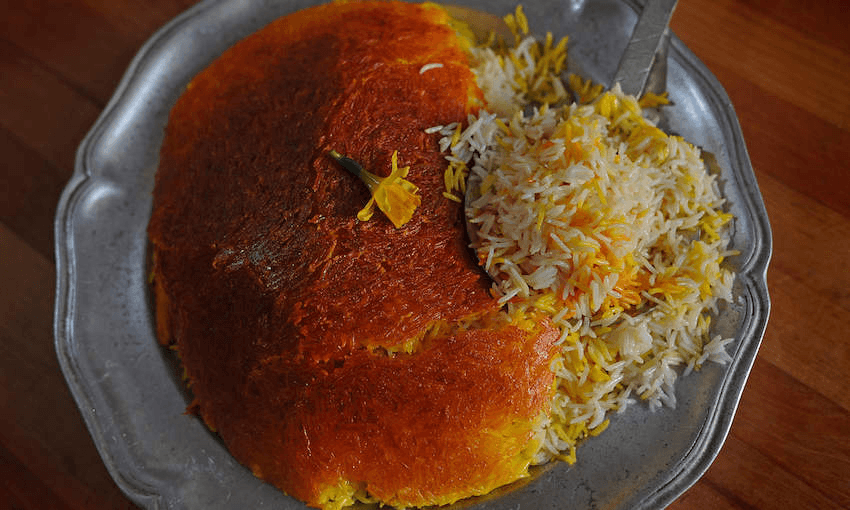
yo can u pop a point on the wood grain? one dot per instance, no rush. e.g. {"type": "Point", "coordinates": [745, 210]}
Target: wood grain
{"type": "Point", "coordinates": [786, 68]}
{"type": "Point", "coordinates": [790, 64]}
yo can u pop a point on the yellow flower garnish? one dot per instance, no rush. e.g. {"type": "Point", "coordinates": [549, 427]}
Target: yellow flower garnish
{"type": "Point", "coordinates": [393, 194]}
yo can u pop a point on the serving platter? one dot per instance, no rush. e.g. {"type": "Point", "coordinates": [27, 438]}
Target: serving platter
{"type": "Point", "coordinates": [127, 386]}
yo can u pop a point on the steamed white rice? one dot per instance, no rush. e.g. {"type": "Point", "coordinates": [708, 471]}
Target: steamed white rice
{"type": "Point", "coordinates": [592, 215]}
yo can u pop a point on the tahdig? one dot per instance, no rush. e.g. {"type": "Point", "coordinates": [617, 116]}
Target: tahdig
{"type": "Point", "coordinates": [340, 360]}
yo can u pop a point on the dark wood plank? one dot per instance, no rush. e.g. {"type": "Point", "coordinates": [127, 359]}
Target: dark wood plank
{"type": "Point", "coordinates": [41, 108]}
{"type": "Point", "coordinates": [91, 65]}
{"type": "Point", "coordinates": [824, 21]}
{"type": "Point", "coordinates": [780, 59]}
{"type": "Point", "coordinates": [752, 480]}
{"type": "Point", "coordinates": [794, 438]}
{"type": "Point", "coordinates": [29, 193]}
{"type": "Point", "coordinates": [19, 488]}
{"type": "Point", "coordinates": [141, 22]}
{"type": "Point", "coordinates": [802, 150]}
{"type": "Point", "coordinates": [811, 242]}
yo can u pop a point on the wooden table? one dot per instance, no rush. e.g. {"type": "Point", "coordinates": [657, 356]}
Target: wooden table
{"type": "Point", "coordinates": [786, 68]}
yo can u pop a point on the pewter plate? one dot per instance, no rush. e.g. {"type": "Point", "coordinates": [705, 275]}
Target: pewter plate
{"type": "Point", "coordinates": [127, 387]}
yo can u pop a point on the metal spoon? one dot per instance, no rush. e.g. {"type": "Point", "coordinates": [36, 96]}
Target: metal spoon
{"type": "Point", "coordinates": [643, 67]}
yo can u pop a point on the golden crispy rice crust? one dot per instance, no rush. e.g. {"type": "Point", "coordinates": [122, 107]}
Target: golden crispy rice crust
{"type": "Point", "coordinates": [297, 324]}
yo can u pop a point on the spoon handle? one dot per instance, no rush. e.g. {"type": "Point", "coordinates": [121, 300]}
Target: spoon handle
{"type": "Point", "coordinates": [647, 43]}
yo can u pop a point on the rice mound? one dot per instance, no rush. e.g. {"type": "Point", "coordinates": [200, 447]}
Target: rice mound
{"type": "Point", "coordinates": [589, 213]}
